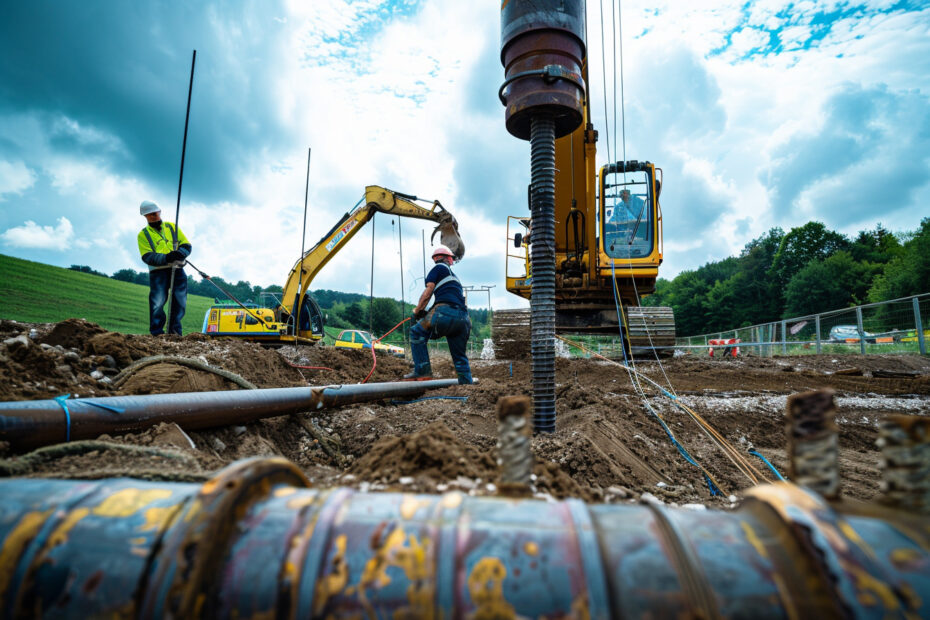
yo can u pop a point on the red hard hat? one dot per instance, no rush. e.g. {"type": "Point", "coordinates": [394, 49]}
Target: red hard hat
{"type": "Point", "coordinates": [442, 251]}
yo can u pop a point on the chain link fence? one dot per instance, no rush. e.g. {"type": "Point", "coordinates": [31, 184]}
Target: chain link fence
{"type": "Point", "coordinates": [896, 326]}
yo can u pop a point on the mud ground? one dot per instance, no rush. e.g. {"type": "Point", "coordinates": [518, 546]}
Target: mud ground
{"type": "Point", "coordinates": [607, 445]}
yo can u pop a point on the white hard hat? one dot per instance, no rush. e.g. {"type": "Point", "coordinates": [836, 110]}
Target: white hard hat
{"type": "Point", "coordinates": [442, 251]}
{"type": "Point", "coordinates": [147, 207]}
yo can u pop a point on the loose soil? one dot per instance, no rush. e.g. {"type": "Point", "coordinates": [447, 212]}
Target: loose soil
{"type": "Point", "coordinates": [607, 446]}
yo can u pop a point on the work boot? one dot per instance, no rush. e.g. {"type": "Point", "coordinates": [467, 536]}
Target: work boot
{"type": "Point", "coordinates": [426, 372]}
{"type": "Point", "coordinates": [465, 378]}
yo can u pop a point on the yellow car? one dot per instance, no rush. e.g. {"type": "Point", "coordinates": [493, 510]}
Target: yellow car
{"type": "Point", "coordinates": [358, 339]}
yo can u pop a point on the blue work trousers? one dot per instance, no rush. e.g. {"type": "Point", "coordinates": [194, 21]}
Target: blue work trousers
{"type": "Point", "coordinates": [159, 283]}
{"type": "Point", "coordinates": [442, 321]}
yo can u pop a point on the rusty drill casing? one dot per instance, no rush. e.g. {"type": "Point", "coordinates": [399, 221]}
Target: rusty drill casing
{"type": "Point", "coordinates": [542, 50]}
{"type": "Point", "coordinates": [29, 424]}
{"type": "Point", "coordinates": [253, 541]}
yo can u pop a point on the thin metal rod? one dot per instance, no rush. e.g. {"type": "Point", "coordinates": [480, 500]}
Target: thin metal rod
{"type": "Point", "coordinates": [400, 245]}
{"type": "Point", "coordinates": [371, 287]}
{"type": "Point", "coordinates": [177, 208]}
{"type": "Point", "coordinates": [423, 238]}
{"type": "Point", "coordinates": [29, 424]}
{"type": "Point", "coordinates": [295, 310]}
{"type": "Point", "coordinates": [919, 326]}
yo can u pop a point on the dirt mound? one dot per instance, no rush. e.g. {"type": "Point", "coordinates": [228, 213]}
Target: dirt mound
{"type": "Point", "coordinates": [167, 378]}
{"type": "Point", "coordinates": [332, 365]}
{"type": "Point", "coordinates": [123, 348]}
{"type": "Point", "coordinates": [433, 452]}
{"type": "Point", "coordinates": [72, 333]}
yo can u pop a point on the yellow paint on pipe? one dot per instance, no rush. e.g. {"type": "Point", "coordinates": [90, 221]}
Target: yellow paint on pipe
{"type": "Point", "coordinates": [127, 502]}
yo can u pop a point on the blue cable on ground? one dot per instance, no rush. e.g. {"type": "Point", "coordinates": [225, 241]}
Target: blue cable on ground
{"type": "Point", "coordinates": [408, 402]}
{"type": "Point", "coordinates": [61, 401]}
{"type": "Point", "coordinates": [766, 461]}
{"type": "Point", "coordinates": [681, 449]}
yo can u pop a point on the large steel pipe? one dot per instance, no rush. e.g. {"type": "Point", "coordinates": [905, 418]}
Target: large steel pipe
{"type": "Point", "coordinates": [28, 424]}
{"type": "Point", "coordinates": [253, 542]}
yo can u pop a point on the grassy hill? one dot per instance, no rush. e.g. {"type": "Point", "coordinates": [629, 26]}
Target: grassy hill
{"type": "Point", "coordinates": [39, 293]}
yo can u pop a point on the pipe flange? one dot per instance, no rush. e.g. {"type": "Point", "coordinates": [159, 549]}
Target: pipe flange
{"type": "Point", "coordinates": [181, 577]}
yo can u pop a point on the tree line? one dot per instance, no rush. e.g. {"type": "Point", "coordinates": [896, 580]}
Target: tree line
{"type": "Point", "coordinates": [807, 270]}
{"type": "Point", "coordinates": [341, 310]}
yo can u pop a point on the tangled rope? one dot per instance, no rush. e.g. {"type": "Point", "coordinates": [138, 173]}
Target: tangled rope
{"type": "Point", "coordinates": [181, 361]}
{"type": "Point", "coordinates": [29, 462]}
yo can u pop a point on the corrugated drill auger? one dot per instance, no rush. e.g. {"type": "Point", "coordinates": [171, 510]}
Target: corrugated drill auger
{"type": "Point", "coordinates": [542, 47]}
{"type": "Point", "coordinates": [256, 542]}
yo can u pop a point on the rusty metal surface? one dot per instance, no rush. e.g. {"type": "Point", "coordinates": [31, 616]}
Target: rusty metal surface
{"type": "Point", "coordinates": [253, 542]}
{"type": "Point", "coordinates": [880, 567]}
{"type": "Point", "coordinates": [542, 50]}
{"type": "Point", "coordinates": [29, 424]}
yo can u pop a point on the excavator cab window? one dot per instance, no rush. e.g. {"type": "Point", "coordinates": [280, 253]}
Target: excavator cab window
{"type": "Point", "coordinates": [311, 317]}
{"type": "Point", "coordinates": [627, 213]}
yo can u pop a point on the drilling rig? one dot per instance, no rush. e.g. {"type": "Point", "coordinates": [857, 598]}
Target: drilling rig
{"type": "Point", "coordinates": [592, 245]}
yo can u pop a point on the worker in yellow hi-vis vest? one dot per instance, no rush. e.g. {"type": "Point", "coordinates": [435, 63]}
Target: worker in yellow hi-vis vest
{"type": "Point", "coordinates": [162, 247]}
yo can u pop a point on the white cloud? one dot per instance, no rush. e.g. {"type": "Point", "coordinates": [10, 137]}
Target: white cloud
{"type": "Point", "coordinates": [409, 101]}
{"type": "Point", "coordinates": [32, 236]}
{"type": "Point", "coordinates": [15, 178]}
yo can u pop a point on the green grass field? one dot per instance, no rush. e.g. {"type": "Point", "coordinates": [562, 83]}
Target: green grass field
{"type": "Point", "coordinates": [39, 293]}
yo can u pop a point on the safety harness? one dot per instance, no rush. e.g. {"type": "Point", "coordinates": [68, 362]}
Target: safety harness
{"type": "Point", "coordinates": [449, 278]}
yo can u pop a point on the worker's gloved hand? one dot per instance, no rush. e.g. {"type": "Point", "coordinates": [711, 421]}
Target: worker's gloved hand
{"type": "Point", "coordinates": [174, 255]}
{"type": "Point", "coordinates": [419, 315]}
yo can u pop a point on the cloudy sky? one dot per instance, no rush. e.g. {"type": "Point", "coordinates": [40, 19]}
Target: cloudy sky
{"type": "Point", "coordinates": [767, 113]}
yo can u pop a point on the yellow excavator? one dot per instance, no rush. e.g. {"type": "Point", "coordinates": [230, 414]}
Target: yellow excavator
{"type": "Point", "coordinates": [280, 323]}
{"type": "Point", "coordinates": [608, 229]}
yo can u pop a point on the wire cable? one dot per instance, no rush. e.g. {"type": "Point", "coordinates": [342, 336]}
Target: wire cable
{"type": "Point", "coordinates": [743, 465]}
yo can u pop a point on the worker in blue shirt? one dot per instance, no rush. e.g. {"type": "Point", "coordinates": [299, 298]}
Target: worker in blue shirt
{"type": "Point", "coordinates": [447, 318]}
{"type": "Point", "coordinates": [628, 209]}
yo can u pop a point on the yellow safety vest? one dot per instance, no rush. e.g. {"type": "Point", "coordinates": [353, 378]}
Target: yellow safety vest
{"type": "Point", "coordinates": [153, 240]}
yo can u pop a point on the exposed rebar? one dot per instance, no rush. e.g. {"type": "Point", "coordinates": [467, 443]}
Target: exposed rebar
{"type": "Point", "coordinates": [542, 256]}
{"type": "Point", "coordinates": [813, 449]}
{"type": "Point", "coordinates": [905, 464]}
{"type": "Point", "coordinates": [514, 449]}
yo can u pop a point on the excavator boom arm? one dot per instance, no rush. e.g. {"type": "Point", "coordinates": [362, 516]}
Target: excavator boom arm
{"type": "Point", "coordinates": [377, 199]}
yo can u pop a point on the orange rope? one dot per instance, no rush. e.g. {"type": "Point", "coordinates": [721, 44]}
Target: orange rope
{"type": "Point", "coordinates": [374, 358]}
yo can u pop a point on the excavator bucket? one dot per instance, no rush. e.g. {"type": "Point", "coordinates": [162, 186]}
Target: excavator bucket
{"type": "Point", "coordinates": [448, 230]}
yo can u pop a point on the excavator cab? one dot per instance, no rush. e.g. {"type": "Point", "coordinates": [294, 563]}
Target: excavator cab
{"type": "Point", "coordinates": [627, 212]}
{"type": "Point", "coordinates": [630, 243]}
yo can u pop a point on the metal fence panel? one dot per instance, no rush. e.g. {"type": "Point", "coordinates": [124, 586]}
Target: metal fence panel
{"type": "Point", "coordinates": [896, 326]}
